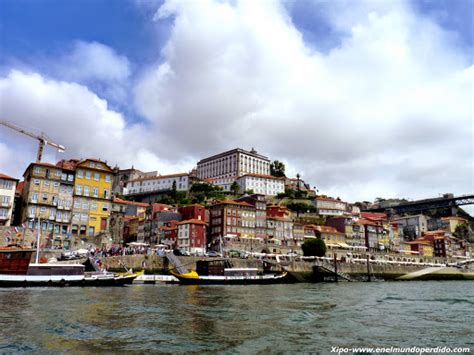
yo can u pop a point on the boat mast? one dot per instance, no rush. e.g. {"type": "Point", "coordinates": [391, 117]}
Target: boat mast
{"type": "Point", "coordinates": [38, 240]}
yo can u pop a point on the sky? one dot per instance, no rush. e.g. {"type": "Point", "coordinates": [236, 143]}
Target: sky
{"type": "Point", "coordinates": [363, 99]}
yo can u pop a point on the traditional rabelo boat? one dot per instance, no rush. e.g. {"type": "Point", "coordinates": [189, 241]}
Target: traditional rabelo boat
{"type": "Point", "coordinates": [220, 271]}
{"type": "Point", "coordinates": [16, 270]}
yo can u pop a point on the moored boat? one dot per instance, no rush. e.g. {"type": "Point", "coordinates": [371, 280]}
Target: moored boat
{"type": "Point", "coordinates": [220, 271]}
{"type": "Point", "coordinates": [17, 271]}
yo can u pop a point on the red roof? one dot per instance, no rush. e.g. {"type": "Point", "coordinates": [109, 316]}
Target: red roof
{"type": "Point", "coordinates": [455, 218]}
{"type": "Point", "coordinates": [220, 178]}
{"type": "Point", "coordinates": [327, 229]}
{"type": "Point", "coordinates": [192, 221]}
{"type": "Point", "coordinates": [6, 177]}
{"type": "Point", "coordinates": [125, 202]}
{"type": "Point", "coordinates": [231, 202]}
{"type": "Point", "coordinates": [374, 215]}
{"type": "Point", "coordinates": [265, 176]}
{"type": "Point", "coordinates": [366, 222]}
{"type": "Point", "coordinates": [158, 177]}
{"type": "Point", "coordinates": [67, 164]}
{"type": "Point", "coordinates": [19, 187]}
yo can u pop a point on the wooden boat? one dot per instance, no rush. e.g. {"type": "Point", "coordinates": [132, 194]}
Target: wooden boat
{"type": "Point", "coordinates": [220, 271]}
{"type": "Point", "coordinates": [17, 271]}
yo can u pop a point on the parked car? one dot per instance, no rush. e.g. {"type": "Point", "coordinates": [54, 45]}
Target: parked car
{"type": "Point", "coordinates": [213, 254]}
{"type": "Point", "coordinates": [234, 253]}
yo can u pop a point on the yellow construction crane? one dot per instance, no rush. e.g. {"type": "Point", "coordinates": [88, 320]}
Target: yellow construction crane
{"type": "Point", "coordinates": [42, 138]}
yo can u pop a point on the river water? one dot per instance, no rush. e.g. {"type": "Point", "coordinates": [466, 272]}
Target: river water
{"type": "Point", "coordinates": [237, 319]}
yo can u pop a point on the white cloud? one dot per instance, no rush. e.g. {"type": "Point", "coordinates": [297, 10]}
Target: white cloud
{"type": "Point", "coordinates": [72, 115]}
{"type": "Point", "coordinates": [389, 102]}
{"type": "Point", "coordinates": [94, 61]}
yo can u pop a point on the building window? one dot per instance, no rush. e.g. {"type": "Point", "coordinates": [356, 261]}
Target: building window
{"type": "Point", "coordinates": [95, 191]}
{"type": "Point", "coordinates": [78, 189]}
{"type": "Point", "coordinates": [36, 182]}
{"type": "Point", "coordinates": [105, 207]}
{"type": "Point", "coordinates": [106, 193]}
{"type": "Point", "coordinates": [70, 177]}
{"type": "Point", "coordinates": [96, 176]}
{"type": "Point", "coordinates": [91, 231]}
{"type": "Point", "coordinates": [88, 175]}
{"type": "Point", "coordinates": [86, 190]}
{"type": "Point", "coordinates": [93, 206]}
{"type": "Point", "coordinates": [108, 178]}
{"type": "Point", "coordinates": [45, 196]}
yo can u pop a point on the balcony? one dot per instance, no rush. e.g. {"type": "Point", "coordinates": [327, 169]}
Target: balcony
{"type": "Point", "coordinates": [6, 204]}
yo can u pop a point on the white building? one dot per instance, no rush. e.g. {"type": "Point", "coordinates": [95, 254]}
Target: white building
{"type": "Point", "coordinates": [224, 182]}
{"type": "Point", "coordinates": [157, 183]}
{"type": "Point", "coordinates": [233, 163]}
{"type": "Point", "coordinates": [327, 206]}
{"type": "Point", "coordinates": [262, 184]}
{"type": "Point", "coordinates": [7, 197]}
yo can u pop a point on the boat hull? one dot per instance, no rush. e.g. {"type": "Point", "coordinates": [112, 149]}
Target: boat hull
{"type": "Point", "coordinates": [63, 281]}
{"type": "Point", "coordinates": [233, 280]}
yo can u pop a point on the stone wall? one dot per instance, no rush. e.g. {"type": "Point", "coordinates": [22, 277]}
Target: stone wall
{"type": "Point", "coordinates": [159, 264]}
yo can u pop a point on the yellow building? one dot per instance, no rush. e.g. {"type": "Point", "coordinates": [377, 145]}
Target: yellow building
{"type": "Point", "coordinates": [451, 223]}
{"type": "Point", "coordinates": [92, 197]}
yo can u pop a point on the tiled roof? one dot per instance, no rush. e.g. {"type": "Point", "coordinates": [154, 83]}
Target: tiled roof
{"type": "Point", "coordinates": [220, 178]}
{"type": "Point", "coordinates": [327, 229]}
{"type": "Point", "coordinates": [373, 215]}
{"type": "Point", "coordinates": [48, 165]}
{"type": "Point", "coordinates": [231, 202]}
{"type": "Point", "coordinates": [6, 177]}
{"type": "Point", "coordinates": [192, 221]}
{"type": "Point", "coordinates": [240, 150]}
{"type": "Point", "coordinates": [67, 164]}
{"type": "Point", "coordinates": [159, 177]}
{"type": "Point", "coordinates": [19, 187]}
{"type": "Point", "coordinates": [125, 202]}
{"type": "Point", "coordinates": [265, 176]}
{"type": "Point", "coordinates": [454, 218]}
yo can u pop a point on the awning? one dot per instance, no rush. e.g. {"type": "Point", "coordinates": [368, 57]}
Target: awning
{"type": "Point", "coordinates": [344, 245]}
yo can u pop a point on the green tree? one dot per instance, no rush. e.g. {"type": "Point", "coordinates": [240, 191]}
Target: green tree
{"type": "Point", "coordinates": [235, 188]}
{"type": "Point", "coordinates": [277, 168]}
{"type": "Point", "coordinates": [462, 231]}
{"type": "Point", "coordinates": [314, 247]}
{"type": "Point", "coordinates": [301, 207]}
{"type": "Point", "coordinates": [249, 192]}
{"type": "Point", "coordinates": [174, 191]}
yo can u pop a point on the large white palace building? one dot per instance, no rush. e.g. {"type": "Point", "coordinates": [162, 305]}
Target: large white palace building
{"type": "Point", "coordinates": [233, 164]}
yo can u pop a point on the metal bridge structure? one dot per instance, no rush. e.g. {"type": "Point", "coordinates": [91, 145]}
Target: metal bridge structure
{"type": "Point", "coordinates": [447, 201]}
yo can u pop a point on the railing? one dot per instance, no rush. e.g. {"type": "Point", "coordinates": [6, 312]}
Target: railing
{"type": "Point", "coordinates": [177, 264]}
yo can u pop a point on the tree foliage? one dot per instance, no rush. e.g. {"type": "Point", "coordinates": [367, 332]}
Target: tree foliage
{"type": "Point", "coordinates": [462, 231]}
{"type": "Point", "coordinates": [235, 188]}
{"type": "Point", "coordinates": [277, 168]}
{"type": "Point", "coordinates": [314, 247]}
{"type": "Point", "coordinates": [301, 207]}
